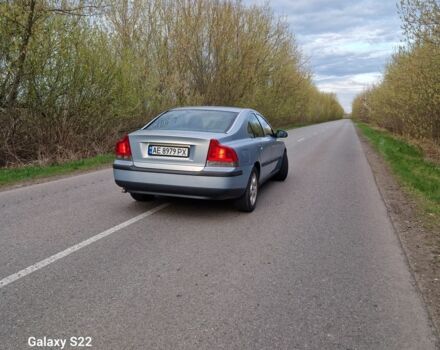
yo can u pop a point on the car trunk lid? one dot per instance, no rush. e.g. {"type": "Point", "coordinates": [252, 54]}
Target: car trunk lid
{"type": "Point", "coordinates": [170, 150]}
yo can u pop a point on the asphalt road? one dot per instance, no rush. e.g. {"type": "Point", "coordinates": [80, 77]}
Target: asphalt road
{"type": "Point", "coordinates": [316, 266]}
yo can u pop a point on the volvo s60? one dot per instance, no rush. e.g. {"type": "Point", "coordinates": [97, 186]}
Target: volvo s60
{"type": "Point", "coordinates": [202, 152]}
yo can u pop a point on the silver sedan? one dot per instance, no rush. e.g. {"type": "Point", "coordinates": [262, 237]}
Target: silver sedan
{"type": "Point", "coordinates": [202, 152]}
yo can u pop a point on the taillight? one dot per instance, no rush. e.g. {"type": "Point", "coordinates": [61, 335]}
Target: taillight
{"type": "Point", "coordinates": [122, 148]}
{"type": "Point", "coordinates": [221, 155]}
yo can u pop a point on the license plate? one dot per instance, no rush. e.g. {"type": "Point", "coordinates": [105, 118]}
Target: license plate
{"type": "Point", "coordinates": [168, 151]}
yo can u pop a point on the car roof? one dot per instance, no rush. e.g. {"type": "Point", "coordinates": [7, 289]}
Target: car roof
{"type": "Point", "coordinates": [212, 108]}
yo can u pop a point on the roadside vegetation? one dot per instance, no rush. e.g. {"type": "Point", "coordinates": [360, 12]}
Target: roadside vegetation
{"type": "Point", "coordinates": [407, 101]}
{"type": "Point", "coordinates": [418, 175]}
{"type": "Point", "coordinates": [76, 74]}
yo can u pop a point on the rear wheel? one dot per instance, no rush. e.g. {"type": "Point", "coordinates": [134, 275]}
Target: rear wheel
{"type": "Point", "coordinates": [141, 197]}
{"type": "Point", "coordinates": [284, 169]}
{"type": "Point", "coordinates": [248, 201]}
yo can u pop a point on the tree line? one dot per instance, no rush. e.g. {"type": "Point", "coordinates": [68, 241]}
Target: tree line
{"type": "Point", "coordinates": [407, 101]}
{"type": "Point", "coordinates": [75, 74]}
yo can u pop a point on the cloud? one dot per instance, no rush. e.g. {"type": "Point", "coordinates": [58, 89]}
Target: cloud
{"type": "Point", "coordinates": [349, 42]}
{"type": "Point", "coordinates": [347, 86]}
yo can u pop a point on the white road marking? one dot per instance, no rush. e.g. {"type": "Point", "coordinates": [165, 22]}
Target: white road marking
{"type": "Point", "coordinates": [43, 263]}
{"type": "Point", "coordinates": [301, 139]}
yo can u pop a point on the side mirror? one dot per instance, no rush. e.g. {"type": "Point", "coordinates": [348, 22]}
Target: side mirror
{"type": "Point", "coordinates": [281, 134]}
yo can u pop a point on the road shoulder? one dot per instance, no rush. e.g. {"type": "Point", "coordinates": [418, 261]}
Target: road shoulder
{"type": "Point", "coordinates": [417, 240]}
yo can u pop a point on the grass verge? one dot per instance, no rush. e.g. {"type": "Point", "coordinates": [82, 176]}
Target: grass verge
{"type": "Point", "coordinates": [418, 175]}
{"type": "Point", "coordinates": [11, 176]}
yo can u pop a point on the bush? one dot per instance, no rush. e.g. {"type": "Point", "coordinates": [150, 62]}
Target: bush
{"type": "Point", "coordinates": [407, 101]}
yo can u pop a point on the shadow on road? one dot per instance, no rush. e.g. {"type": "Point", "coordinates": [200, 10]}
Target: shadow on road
{"type": "Point", "coordinates": [194, 207]}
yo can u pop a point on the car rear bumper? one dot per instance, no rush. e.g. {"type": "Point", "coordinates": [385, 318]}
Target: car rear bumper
{"type": "Point", "coordinates": [202, 184]}
{"type": "Point", "coordinates": [180, 191]}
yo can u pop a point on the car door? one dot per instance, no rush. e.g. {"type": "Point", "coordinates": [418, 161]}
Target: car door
{"type": "Point", "coordinates": [263, 146]}
{"type": "Point", "coordinates": [271, 147]}
{"type": "Point", "coordinates": [278, 146]}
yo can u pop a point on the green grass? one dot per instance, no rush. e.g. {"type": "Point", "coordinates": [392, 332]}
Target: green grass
{"type": "Point", "coordinates": [10, 176]}
{"type": "Point", "coordinates": [407, 162]}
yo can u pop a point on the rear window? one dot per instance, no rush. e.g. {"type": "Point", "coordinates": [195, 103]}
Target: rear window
{"type": "Point", "coordinates": [194, 120]}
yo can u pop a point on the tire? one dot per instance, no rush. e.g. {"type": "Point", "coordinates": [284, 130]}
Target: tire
{"type": "Point", "coordinates": [281, 175]}
{"type": "Point", "coordinates": [141, 197]}
{"type": "Point", "coordinates": [248, 200]}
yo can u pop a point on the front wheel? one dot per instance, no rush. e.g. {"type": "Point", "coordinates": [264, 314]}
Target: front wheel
{"type": "Point", "coordinates": [141, 197]}
{"type": "Point", "coordinates": [248, 201]}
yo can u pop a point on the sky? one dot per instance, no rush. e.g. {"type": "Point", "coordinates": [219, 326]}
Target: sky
{"type": "Point", "coordinates": [345, 42]}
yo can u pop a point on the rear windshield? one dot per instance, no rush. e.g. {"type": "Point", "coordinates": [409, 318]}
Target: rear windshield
{"type": "Point", "coordinates": [194, 120]}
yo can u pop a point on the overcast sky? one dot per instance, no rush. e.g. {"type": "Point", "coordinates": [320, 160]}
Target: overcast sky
{"type": "Point", "coordinates": [347, 42]}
